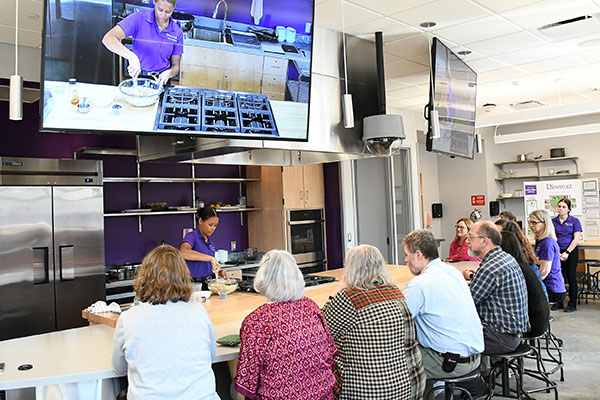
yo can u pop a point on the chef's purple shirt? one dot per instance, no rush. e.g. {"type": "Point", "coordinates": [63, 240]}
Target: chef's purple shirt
{"type": "Point", "coordinates": [547, 249]}
{"type": "Point", "coordinates": [566, 230]}
{"type": "Point", "coordinates": [153, 48]}
{"type": "Point", "coordinates": [200, 269]}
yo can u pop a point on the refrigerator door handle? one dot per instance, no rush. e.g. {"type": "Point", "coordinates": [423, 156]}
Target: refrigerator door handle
{"type": "Point", "coordinates": [40, 272]}
{"type": "Point", "coordinates": [66, 259]}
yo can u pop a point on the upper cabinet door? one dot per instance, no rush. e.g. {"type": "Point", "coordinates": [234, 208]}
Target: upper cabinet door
{"type": "Point", "coordinates": [293, 187]}
{"type": "Point", "coordinates": [314, 190]}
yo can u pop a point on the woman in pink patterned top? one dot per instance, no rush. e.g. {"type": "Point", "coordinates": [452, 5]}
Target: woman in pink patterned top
{"type": "Point", "coordinates": [287, 350]}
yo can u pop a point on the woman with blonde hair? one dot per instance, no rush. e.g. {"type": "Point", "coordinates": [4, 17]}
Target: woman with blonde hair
{"type": "Point", "coordinates": [548, 253]}
{"type": "Point", "coordinates": [374, 331]}
{"type": "Point", "coordinates": [287, 350]}
{"type": "Point", "coordinates": [166, 345]}
{"type": "Point", "coordinates": [459, 250]}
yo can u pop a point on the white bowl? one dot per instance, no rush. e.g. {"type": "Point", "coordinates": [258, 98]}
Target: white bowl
{"type": "Point", "coordinates": [103, 96]}
{"type": "Point", "coordinates": [507, 194]}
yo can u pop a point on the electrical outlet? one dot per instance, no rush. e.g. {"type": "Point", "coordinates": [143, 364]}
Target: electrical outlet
{"type": "Point", "coordinates": [307, 27]}
{"type": "Point", "coordinates": [233, 245]}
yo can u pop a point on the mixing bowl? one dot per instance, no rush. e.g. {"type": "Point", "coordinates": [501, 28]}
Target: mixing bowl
{"type": "Point", "coordinates": [144, 94]}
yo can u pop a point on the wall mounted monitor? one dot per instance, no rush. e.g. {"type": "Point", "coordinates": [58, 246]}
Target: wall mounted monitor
{"type": "Point", "coordinates": [228, 69]}
{"type": "Point", "coordinates": [452, 93]}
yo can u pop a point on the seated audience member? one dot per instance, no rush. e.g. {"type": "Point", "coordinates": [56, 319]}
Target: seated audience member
{"type": "Point", "coordinates": [459, 251]}
{"type": "Point", "coordinates": [287, 350]}
{"type": "Point", "coordinates": [507, 215]}
{"type": "Point", "coordinates": [537, 302]}
{"type": "Point", "coordinates": [448, 327]}
{"type": "Point", "coordinates": [166, 345]}
{"type": "Point", "coordinates": [374, 332]}
{"type": "Point", "coordinates": [548, 252]}
{"type": "Point", "coordinates": [498, 289]}
{"type": "Point", "coordinates": [526, 247]}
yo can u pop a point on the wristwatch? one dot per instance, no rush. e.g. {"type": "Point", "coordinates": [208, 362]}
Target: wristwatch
{"type": "Point", "coordinates": [567, 251]}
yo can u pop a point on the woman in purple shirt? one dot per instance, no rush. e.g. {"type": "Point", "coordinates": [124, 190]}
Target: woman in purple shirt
{"type": "Point", "coordinates": [199, 250]}
{"type": "Point", "coordinates": [547, 251]}
{"type": "Point", "coordinates": [568, 234]}
{"type": "Point", "coordinates": [157, 42]}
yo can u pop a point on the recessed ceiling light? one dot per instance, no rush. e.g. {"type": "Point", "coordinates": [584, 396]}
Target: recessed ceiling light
{"type": "Point", "coordinates": [464, 52]}
{"type": "Point", "coordinates": [32, 16]}
{"type": "Point", "coordinates": [427, 24]}
{"type": "Point", "coordinates": [590, 43]}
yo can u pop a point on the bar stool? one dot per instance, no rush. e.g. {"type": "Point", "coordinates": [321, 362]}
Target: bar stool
{"type": "Point", "coordinates": [540, 373]}
{"type": "Point", "coordinates": [588, 282]}
{"type": "Point", "coordinates": [512, 361]}
{"type": "Point", "coordinates": [450, 386]}
{"type": "Point", "coordinates": [554, 351]}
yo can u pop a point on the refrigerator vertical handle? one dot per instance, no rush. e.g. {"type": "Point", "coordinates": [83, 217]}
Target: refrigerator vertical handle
{"type": "Point", "coordinates": [40, 272]}
{"type": "Point", "coordinates": [66, 260]}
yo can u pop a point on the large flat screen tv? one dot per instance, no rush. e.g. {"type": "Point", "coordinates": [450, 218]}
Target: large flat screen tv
{"type": "Point", "coordinates": [228, 69]}
{"type": "Point", "coordinates": [452, 93]}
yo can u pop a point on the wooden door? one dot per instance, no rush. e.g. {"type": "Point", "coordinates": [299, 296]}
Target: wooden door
{"type": "Point", "coordinates": [293, 188]}
{"type": "Point", "coordinates": [314, 186]}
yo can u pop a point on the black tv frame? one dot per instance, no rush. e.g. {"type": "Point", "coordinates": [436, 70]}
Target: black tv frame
{"type": "Point", "coordinates": [429, 144]}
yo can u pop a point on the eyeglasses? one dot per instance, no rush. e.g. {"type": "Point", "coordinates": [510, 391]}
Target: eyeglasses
{"type": "Point", "coordinates": [460, 227]}
{"type": "Point", "coordinates": [469, 236]}
{"type": "Point", "coordinates": [535, 222]}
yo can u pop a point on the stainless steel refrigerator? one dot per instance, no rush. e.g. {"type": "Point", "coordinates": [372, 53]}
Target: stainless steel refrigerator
{"type": "Point", "coordinates": [51, 243]}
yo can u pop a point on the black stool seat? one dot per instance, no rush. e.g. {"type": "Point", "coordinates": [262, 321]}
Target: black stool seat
{"type": "Point", "coordinates": [457, 379]}
{"type": "Point", "coordinates": [591, 261]}
{"type": "Point", "coordinates": [510, 361]}
{"type": "Point", "coordinates": [521, 351]}
{"type": "Point", "coordinates": [450, 388]}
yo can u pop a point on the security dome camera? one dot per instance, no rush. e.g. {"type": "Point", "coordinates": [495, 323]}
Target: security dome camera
{"type": "Point", "coordinates": [383, 134]}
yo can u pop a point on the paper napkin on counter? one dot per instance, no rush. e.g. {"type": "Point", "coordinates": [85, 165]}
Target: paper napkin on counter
{"type": "Point", "coordinates": [100, 306]}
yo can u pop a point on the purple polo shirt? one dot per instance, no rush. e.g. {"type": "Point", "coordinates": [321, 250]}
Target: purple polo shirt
{"type": "Point", "coordinates": [566, 230]}
{"type": "Point", "coordinates": [547, 249]}
{"type": "Point", "coordinates": [200, 269]}
{"type": "Point", "coordinates": [153, 48]}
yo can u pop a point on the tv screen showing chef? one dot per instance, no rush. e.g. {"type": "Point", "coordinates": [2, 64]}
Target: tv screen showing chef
{"type": "Point", "coordinates": [226, 68]}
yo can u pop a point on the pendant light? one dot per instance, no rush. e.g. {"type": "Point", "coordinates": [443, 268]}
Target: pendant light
{"type": "Point", "coordinates": [16, 81]}
{"type": "Point", "coordinates": [347, 109]}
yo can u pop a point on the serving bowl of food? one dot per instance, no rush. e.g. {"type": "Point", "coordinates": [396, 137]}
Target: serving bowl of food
{"type": "Point", "coordinates": [156, 205]}
{"type": "Point", "coordinates": [140, 92]}
{"type": "Point", "coordinates": [223, 285]}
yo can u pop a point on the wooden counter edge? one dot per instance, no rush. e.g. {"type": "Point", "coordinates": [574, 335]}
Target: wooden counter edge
{"type": "Point", "coordinates": [106, 318]}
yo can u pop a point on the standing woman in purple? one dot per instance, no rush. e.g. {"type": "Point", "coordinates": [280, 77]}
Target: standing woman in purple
{"type": "Point", "coordinates": [547, 251]}
{"type": "Point", "coordinates": [568, 235]}
{"type": "Point", "coordinates": [157, 42]}
{"type": "Point", "coordinates": [198, 249]}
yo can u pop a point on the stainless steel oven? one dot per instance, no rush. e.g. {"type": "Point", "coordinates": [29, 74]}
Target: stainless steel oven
{"type": "Point", "coordinates": [305, 238]}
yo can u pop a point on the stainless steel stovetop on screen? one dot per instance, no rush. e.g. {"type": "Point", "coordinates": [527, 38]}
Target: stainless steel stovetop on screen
{"type": "Point", "coordinates": [207, 110]}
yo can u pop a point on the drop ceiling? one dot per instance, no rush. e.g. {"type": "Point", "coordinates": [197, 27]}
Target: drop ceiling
{"type": "Point", "coordinates": [518, 64]}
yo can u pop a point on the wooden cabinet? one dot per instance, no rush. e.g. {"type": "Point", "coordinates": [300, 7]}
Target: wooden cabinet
{"type": "Point", "coordinates": [276, 190]}
{"type": "Point", "coordinates": [274, 77]}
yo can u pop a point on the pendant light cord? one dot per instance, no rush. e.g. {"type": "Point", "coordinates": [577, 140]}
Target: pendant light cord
{"type": "Point", "coordinates": [344, 47]}
{"type": "Point", "coordinates": [17, 37]}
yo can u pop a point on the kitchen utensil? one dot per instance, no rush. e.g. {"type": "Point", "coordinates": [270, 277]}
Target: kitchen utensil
{"type": "Point", "coordinates": [84, 106]}
{"type": "Point", "coordinates": [156, 205]}
{"type": "Point", "coordinates": [184, 20]}
{"type": "Point", "coordinates": [557, 152]}
{"type": "Point", "coordinates": [290, 34]}
{"type": "Point", "coordinates": [143, 95]}
{"type": "Point", "coordinates": [228, 285]}
{"type": "Point", "coordinates": [523, 156]}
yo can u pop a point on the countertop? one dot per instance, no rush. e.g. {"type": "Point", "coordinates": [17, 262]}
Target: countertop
{"type": "Point", "coordinates": [83, 354]}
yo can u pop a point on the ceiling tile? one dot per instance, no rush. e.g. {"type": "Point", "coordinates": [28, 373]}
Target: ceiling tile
{"type": "Point", "coordinates": [477, 30]}
{"type": "Point", "coordinates": [443, 12]}
{"type": "Point", "coordinates": [419, 78]}
{"type": "Point", "coordinates": [328, 15]}
{"type": "Point", "coordinates": [547, 12]}
{"type": "Point", "coordinates": [403, 67]}
{"type": "Point", "coordinates": [485, 64]}
{"type": "Point", "coordinates": [392, 30]}
{"type": "Point", "coordinates": [580, 44]}
{"type": "Point", "coordinates": [28, 9]}
{"type": "Point", "coordinates": [533, 54]}
{"type": "Point", "coordinates": [390, 58]}
{"type": "Point", "coordinates": [551, 65]}
{"type": "Point", "coordinates": [388, 7]}
{"type": "Point", "coordinates": [503, 74]}
{"type": "Point", "coordinates": [504, 44]}
{"type": "Point", "coordinates": [421, 90]}
{"type": "Point", "coordinates": [410, 47]}
{"type": "Point", "coordinates": [393, 84]}
{"type": "Point", "coordinates": [500, 6]}
{"type": "Point", "coordinates": [592, 56]}
{"type": "Point", "coordinates": [26, 37]}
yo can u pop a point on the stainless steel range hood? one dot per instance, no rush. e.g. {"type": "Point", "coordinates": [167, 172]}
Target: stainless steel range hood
{"type": "Point", "coordinates": [328, 139]}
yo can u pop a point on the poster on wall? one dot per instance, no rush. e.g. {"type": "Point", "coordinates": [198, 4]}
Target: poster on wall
{"type": "Point", "coordinates": [583, 193]}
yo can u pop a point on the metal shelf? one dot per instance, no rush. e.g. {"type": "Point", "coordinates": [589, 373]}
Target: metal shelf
{"type": "Point", "coordinates": [535, 161]}
{"type": "Point", "coordinates": [118, 284]}
{"type": "Point", "coordinates": [192, 211]}
{"type": "Point", "coordinates": [555, 176]}
{"type": "Point", "coordinates": [118, 296]}
{"type": "Point", "coordinates": [175, 180]}
{"type": "Point", "coordinates": [508, 198]}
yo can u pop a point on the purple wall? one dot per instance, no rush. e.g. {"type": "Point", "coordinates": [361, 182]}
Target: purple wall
{"type": "Point", "coordinates": [334, 218]}
{"type": "Point", "coordinates": [294, 13]}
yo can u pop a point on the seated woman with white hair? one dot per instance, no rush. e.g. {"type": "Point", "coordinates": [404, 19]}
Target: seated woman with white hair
{"type": "Point", "coordinates": [287, 350]}
{"type": "Point", "coordinates": [374, 331]}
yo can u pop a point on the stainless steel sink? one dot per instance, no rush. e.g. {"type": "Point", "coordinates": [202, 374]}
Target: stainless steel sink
{"type": "Point", "coordinates": [209, 35]}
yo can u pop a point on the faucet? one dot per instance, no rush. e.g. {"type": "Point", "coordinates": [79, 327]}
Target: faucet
{"type": "Point", "coordinates": [214, 14]}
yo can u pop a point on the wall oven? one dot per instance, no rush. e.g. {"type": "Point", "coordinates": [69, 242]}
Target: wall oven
{"type": "Point", "coordinates": [305, 238]}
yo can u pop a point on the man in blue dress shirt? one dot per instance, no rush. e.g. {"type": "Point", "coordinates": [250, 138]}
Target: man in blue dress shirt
{"type": "Point", "coordinates": [448, 327]}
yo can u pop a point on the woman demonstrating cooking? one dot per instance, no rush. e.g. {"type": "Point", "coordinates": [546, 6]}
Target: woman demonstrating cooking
{"type": "Point", "coordinates": [568, 234]}
{"type": "Point", "coordinates": [157, 42]}
{"type": "Point", "coordinates": [199, 250]}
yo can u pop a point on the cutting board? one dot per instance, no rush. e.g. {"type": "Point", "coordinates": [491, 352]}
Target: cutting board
{"type": "Point", "coordinates": [272, 48]}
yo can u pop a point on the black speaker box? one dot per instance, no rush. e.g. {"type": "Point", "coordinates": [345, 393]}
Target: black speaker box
{"type": "Point", "coordinates": [494, 208]}
{"type": "Point", "coordinates": [436, 210]}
